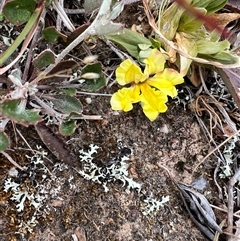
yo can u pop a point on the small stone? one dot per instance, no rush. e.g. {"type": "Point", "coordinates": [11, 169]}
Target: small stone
{"type": "Point", "coordinates": [88, 100]}
{"type": "Point", "coordinates": [13, 172]}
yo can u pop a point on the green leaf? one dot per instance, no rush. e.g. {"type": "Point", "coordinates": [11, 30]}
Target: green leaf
{"type": "Point", "coordinates": [47, 3]}
{"type": "Point", "coordinates": [44, 59]}
{"type": "Point", "coordinates": [92, 68]}
{"type": "Point", "coordinates": [206, 47]}
{"type": "Point", "coordinates": [67, 128]}
{"type": "Point", "coordinates": [210, 5]}
{"type": "Point", "coordinates": [169, 20]}
{"type": "Point", "coordinates": [12, 110]}
{"type": "Point", "coordinates": [69, 91]}
{"type": "Point", "coordinates": [66, 103]}
{"type": "Point", "coordinates": [19, 11]}
{"type": "Point", "coordinates": [189, 23]}
{"type": "Point", "coordinates": [1, 17]}
{"type": "Point", "coordinates": [143, 54]}
{"type": "Point", "coordinates": [215, 6]}
{"type": "Point", "coordinates": [93, 84]}
{"type": "Point", "coordinates": [130, 41]}
{"type": "Point", "coordinates": [224, 57]}
{"type": "Point", "coordinates": [32, 20]}
{"type": "Point", "coordinates": [155, 43]}
{"type": "Point", "coordinates": [4, 141]}
{"type": "Point", "coordinates": [52, 35]}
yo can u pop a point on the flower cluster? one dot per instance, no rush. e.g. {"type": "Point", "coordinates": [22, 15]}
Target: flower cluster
{"type": "Point", "coordinates": [151, 87]}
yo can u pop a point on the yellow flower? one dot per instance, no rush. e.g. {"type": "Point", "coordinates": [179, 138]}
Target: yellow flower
{"type": "Point", "coordinates": [150, 87]}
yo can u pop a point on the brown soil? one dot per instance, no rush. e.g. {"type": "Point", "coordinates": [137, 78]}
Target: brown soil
{"type": "Point", "coordinates": [117, 214]}
{"type": "Point", "coordinates": [78, 209]}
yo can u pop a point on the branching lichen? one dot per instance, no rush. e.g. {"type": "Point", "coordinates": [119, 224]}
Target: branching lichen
{"type": "Point", "coordinates": [116, 170]}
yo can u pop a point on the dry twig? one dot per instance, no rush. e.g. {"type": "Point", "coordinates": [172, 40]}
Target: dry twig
{"type": "Point", "coordinates": [232, 182]}
{"type": "Point", "coordinates": [215, 149]}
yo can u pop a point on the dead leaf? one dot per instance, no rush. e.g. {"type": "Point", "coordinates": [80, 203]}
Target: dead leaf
{"type": "Point", "coordinates": [231, 78]}
{"type": "Point", "coordinates": [194, 76]}
{"type": "Point", "coordinates": [223, 19]}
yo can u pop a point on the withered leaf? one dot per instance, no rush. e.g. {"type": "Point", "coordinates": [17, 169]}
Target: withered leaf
{"type": "Point", "coordinates": [55, 144]}
{"type": "Point", "coordinates": [199, 210]}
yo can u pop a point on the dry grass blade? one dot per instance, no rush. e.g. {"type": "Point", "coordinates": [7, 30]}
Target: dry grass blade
{"type": "Point", "coordinates": [203, 104]}
{"type": "Point", "coordinates": [232, 182]}
{"type": "Point", "coordinates": [215, 149]}
{"type": "Point", "coordinates": [11, 160]}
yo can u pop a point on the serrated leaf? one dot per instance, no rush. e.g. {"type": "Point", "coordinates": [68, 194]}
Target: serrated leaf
{"type": "Point", "coordinates": [12, 110]}
{"type": "Point", "coordinates": [129, 40]}
{"type": "Point", "coordinates": [52, 35]}
{"type": "Point", "coordinates": [19, 11]}
{"type": "Point", "coordinates": [66, 104]}
{"type": "Point", "coordinates": [67, 127]}
{"type": "Point", "coordinates": [4, 142]}
{"type": "Point", "coordinates": [44, 59]}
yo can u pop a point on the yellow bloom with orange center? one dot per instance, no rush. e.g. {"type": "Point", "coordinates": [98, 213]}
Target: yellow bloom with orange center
{"type": "Point", "coordinates": [150, 87]}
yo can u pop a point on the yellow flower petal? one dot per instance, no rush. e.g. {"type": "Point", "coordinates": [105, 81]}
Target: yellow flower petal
{"type": "Point", "coordinates": [165, 81]}
{"type": "Point", "coordinates": [129, 72]}
{"type": "Point", "coordinates": [124, 98]}
{"type": "Point", "coordinates": [153, 101]}
{"type": "Point", "coordinates": [173, 76]}
{"type": "Point", "coordinates": [164, 86]}
{"type": "Point", "coordinates": [154, 63]}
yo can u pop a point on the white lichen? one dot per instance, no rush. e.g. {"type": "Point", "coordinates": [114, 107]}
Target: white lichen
{"type": "Point", "coordinates": [116, 170]}
{"type": "Point", "coordinates": [20, 195]}
{"type": "Point", "coordinates": [228, 156]}
{"type": "Point", "coordinates": [151, 205]}
{"type": "Point", "coordinates": [27, 226]}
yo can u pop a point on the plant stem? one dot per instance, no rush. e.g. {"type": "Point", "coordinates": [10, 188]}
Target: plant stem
{"type": "Point", "coordinates": [21, 37]}
{"type": "Point", "coordinates": [11, 160]}
{"type": "Point", "coordinates": [91, 30]}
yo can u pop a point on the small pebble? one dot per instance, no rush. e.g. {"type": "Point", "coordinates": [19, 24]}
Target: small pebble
{"type": "Point", "coordinates": [88, 100]}
{"type": "Point", "coordinates": [13, 172]}
{"type": "Point", "coordinates": [164, 129]}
